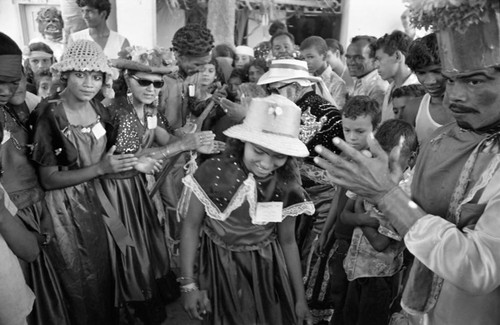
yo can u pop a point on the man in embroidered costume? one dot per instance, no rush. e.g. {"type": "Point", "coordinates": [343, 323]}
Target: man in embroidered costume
{"type": "Point", "coordinates": [451, 223]}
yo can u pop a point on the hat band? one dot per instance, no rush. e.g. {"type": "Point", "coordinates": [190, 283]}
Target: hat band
{"type": "Point", "coordinates": [39, 54]}
{"type": "Point", "coordinates": [279, 133]}
{"type": "Point", "coordinates": [287, 66]}
{"type": "Point", "coordinates": [10, 66]}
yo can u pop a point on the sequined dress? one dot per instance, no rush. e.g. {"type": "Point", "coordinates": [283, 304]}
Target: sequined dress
{"type": "Point", "coordinates": [241, 263]}
{"type": "Point", "coordinates": [140, 270]}
{"type": "Point", "coordinates": [80, 251]}
{"type": "Point", "coordinates": [320, 123]}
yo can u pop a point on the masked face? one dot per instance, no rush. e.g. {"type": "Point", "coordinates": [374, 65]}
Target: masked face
{"type": "Point", "coordinates": [50, 24]}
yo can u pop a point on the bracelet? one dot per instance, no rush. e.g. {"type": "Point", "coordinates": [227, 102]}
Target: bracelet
{"type": "Point", "coordinates": [165, 155]}
{"type": "Point", "coordinates": [182, 278]}
{"type": "Point", "coordinates": [190, 287]}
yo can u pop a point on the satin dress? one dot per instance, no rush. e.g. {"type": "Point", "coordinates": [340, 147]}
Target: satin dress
{"type": "Point", "coordinates": [79, 251]}
{"type": "Point", "coordinates": [140, 270]}
{"type": "Point", "coordinates": [241, 262]}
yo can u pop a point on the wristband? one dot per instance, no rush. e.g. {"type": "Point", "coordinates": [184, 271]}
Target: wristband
{"type": "Point", "coordinates": [190, 287]}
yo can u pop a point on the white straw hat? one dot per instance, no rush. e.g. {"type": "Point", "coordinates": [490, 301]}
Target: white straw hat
{"type": "Point", "coordinates": [272, 122]}
{"type": "Point", "coordinates": [288, 70]}
{"type": "Point", "coordinates": [244, 50]}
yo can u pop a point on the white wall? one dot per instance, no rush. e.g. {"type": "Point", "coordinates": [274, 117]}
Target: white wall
{"type": "Point", "coordinates": [370, 17]}
{"type": "Point", "coordinates": [167, 23]}
{"type": "Point", "coordinates": [9, 21]}
{"type": "Point", "coordinates": [136, 20]}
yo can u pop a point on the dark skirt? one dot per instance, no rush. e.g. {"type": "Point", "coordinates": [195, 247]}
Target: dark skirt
{"type": "Point", "coordinates": [246, 286]}
{"type": "Point", "coordinates": [80, 254]}
{"type": "Point", "coordinates": [49, 307]}
{"type": "Point", "coordinates": [140, 272]}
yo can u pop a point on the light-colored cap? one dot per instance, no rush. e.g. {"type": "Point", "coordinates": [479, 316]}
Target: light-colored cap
{"type": "Point", "coordinates": [244, 50]}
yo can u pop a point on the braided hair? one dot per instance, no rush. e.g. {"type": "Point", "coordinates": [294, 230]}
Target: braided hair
{"type": "Point", "coordinates": [193, 40]}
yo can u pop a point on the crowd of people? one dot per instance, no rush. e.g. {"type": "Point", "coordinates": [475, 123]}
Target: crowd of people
{"type": "Point", "coordinates": [282, 184]}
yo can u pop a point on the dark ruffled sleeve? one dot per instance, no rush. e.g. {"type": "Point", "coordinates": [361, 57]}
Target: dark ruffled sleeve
{"type": "Point", "coordinates": [50, 146]}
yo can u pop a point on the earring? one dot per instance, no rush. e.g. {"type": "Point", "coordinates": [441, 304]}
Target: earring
{"type": "Point", "coordinates": [130, 97]}
{"type": "Point", "coordinates": [155, 102]}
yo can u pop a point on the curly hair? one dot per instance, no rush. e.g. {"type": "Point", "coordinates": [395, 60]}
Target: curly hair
{"type": "Point", "coordinates": [100, 5]}
{"type": "Point", "coordinates": [193, 40]}
{"type": "Point", "coordinates": [358, 106]}
{"type": "Point", "coordinates": [49, 12]}
{"type": "Point", "coordinates": [390, 43]}
{"type": "Point", "coordinates": [423, 52]}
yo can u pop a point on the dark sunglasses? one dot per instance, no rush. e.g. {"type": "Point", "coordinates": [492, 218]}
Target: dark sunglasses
{"type": "Point", "coordinates": [145, 82]}
{"type": "Point", "coordinates": [276, 90]}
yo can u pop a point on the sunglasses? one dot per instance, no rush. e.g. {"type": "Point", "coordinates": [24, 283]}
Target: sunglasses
{"type": "Point", "coordinates": [145, 82]}
{"type": "Point", "coordinates": [276, 90]}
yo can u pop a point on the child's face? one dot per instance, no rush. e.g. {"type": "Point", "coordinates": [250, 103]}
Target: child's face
{"type": "Point", "coordinates": [314, 60]}
{"type": "Point", "coordinates": [261, 161]}
{"type": "Point", "coordinates": [241, 60]}
{"type": "Point", "coordinates": [356, 131]}
{"type": "Point", "coordinates": [208, 75]}
{"type": "Point", "coordinates": [44, 86]}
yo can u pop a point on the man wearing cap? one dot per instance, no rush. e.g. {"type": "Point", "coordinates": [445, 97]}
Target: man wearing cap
{"type": "Point", "coordinates": [320, 122]}
{"type": "Point", "coordinates": [451, 222]}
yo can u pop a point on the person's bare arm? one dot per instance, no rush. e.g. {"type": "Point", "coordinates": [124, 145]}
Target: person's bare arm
{"type": "Point", "coordinates": [286, 237]}
{"type": "Point", "coordinates": [51, 177]}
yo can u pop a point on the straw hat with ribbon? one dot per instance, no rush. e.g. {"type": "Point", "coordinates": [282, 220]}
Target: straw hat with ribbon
{"type": "Point", "coordinates": [272, 122]}
{"type": "Point", "coordinates": [291, 70]}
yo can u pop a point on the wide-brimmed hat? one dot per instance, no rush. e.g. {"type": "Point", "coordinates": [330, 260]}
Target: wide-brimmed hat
{"type": "Point", "coordinates": [244, 50]}
{"type": "Point", "coordinates": [288, 70]}
{"type": "Point", "coordinates": [157, 60]}
{"type": "Point", "coordinates": [83, 55]}
{"type": "Point", "coordinates": [273, 123]}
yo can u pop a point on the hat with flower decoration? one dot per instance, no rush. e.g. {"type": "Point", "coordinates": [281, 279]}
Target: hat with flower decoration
{"type": "Point", "coordinates": [468, 31]}
{"type": "Point", "coordinates": [272, 122]}
{"type": "Point", "coordinates": [157, 60]}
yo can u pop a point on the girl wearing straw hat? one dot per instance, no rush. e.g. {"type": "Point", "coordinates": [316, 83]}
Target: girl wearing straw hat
{"type": "Point", "coordinates": [69, 148]}
{"type": "Point", "coordinates": [248, 267]}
